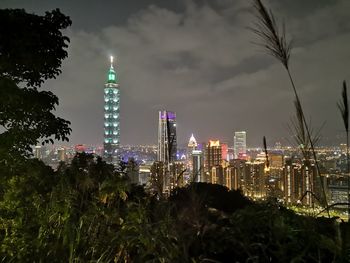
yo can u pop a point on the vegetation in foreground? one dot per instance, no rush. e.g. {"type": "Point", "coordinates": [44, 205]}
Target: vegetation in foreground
{"type": "Point", "coordinates": [89, 212]}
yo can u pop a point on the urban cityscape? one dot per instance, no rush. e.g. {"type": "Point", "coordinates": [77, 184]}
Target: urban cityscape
{"type": "Point", "coordinates": [154, 131]}
{"type": "Point", "coordinates": [287, 175]}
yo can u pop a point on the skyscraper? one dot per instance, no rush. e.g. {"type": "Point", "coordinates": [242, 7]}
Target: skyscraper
{"type": "Point", "coordinates": [111, 116]}
{"type": "Point", "coordinates": [167, 141]}
{"type": "Point", "coordinates": [191, 146]}
{"type": "Point", "coordinates": [213, 154]}
{"type": "Point", "coordinates": [198, 166]}
{"type": "Point", "coordinates": [239, 144]}
{"type": "Point", "coordinates": [213, 159]}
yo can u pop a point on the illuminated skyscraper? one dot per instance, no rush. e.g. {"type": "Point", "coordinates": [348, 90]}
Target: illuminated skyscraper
{"type": "Point", "coordinates": [213, 159]}
{"type": "Point", "coordinates": [213, 154]}
{"type": "Point", "coordinates": [198, 166]}
{"type": "Point", "coordinates": [167, 142]}
{"type": "Point", "coordinates": [111, 116]}
{"type": "Point", "coordinates": [192, 143]}
{"type": "Point", "coordinates": [192, 146]}
{"type": "Point", "coordinates": [38, 153]}
{"type": "Point", "coordinates": [240, 144]}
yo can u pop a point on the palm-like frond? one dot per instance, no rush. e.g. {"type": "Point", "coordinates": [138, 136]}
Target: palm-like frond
{"type": "Point", "coordinates": [343, 106]}
{"type": "Point", "coordinates": [272, 39]}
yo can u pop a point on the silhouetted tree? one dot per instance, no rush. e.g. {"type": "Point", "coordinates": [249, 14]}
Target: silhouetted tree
{"type": "Point", "coordinates": [32, 48]}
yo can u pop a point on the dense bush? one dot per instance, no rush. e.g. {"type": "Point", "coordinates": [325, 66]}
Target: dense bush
{"type": "Point", "coordinates": [87, 211]}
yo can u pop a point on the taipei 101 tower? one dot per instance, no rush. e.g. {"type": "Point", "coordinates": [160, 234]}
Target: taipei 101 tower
{"type": "Point", "coordinates": [111, 117]}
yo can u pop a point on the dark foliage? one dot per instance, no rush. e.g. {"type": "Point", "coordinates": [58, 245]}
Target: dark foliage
{"type": "Point", "coordinates": [211, 196]}
{"type": "Point", "coordinates": [32, 48]}
{"type": "Point", "coordinates": [89, 212]}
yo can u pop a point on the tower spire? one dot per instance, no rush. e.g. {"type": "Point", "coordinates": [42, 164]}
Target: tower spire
{"type": "Point", "coordinates": [111, 61]}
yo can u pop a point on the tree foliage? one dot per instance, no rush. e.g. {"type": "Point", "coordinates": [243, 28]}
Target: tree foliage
{"type": "Point", "coordinates": [32, 48]}
{"type": "Point", "coordinates": [87, 211]}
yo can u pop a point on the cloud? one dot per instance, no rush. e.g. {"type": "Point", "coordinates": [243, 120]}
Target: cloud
{"type": "Point", "coordinates": [201, 63]}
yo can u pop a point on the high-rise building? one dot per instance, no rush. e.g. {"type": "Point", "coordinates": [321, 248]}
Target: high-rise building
{"type": "Point", "coordinates": [191, 146]}
{"type": "Point", "coordinates": [192, 143]}
{"type": "Point", "coordinates": [167, 142]}
{"type": "Point", "coordinates": [300, 183]}
{"type": "Point", "coordinates": [213, 158]}
{"type": "Point", "coordinates": [111, 116]}
{"type": "Point", "coordinates": [38, 152]}
{"type": "Point", "coordinates": [224, 151]}
{"type": "Point", "coordinates": [255, 179]}
{"type": "Point", "coordinates": [240, 144]}
{"type": "Point", "coordinates": [61, 154]}
{"type": "Point", "coordinates": [213, 154]}
{"type": "Point", "coordinates": [197, 166]}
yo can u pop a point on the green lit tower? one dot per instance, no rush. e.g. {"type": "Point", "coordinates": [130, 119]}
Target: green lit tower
{"type": "Point", "coordinates": [111, 116]}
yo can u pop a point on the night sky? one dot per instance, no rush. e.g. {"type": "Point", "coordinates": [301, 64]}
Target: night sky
{"type": "Point", "coordinates": [197, 58]}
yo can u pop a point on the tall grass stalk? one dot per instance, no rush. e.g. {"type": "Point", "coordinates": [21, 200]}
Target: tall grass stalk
{"type": "Point", "coordinates": [343, 106]}
{"type": "Point", "coordinates": [266, 154]}
{"type": "Point", "coordinates": [277, 45]}
{"type": "Point", "coordinates": [298, 130]}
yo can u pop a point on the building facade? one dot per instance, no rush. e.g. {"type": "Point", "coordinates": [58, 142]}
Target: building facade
{"type": "Point", "coordinates": [240, 144]}
{"type": "Point", "coordinates": [167, 141]}
{"type": "Point", "coordinates": [111, 117]}
{"type": "Point", "coordinates": [197, 166]}
{"type": "Point", "coordinates": [213, 158]}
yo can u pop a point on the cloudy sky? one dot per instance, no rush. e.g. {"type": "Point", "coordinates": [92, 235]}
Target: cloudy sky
{"type": "Point", "coordinates": [197, 58]}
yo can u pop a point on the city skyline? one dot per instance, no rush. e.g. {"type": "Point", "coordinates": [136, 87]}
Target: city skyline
{"type": "Point", "coordinates": [196, 58]}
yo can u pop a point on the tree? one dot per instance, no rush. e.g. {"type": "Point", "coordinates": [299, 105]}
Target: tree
{"type": "Point", "coordinates": [32, 48]}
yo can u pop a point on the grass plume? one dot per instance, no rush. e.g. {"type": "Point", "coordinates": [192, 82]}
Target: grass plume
{"type": "Point", "coordinates": [266, 154]}
{"type": "Point", "coordinates": [343, 107]}
{"type": "Point", "coordinates": [272, 38]}
{"type": "Point", "coordinates": [276, 44]}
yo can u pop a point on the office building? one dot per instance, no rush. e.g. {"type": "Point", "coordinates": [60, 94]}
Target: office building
{"type": "Point", "coordinates": [61, 154]}
{"type": "Point", "coordinates": [255, 179]}
{"type": "Point", "coordinates": [167, 141]}
{"type": "Point", "coordinates": [197, 166]}
{"type": "Point", "coordinates": [192, 143]}
{"type": "Point", "coordinates": [191, 146]}
{"type": "Point", "coordinates": [240, 144]}
{"type": "Point", "coordinates": [111, 116]}
{"type": "Point", "coordinates": [213, 158]}
{"type": "Point", "coordinates": [38, 152]}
